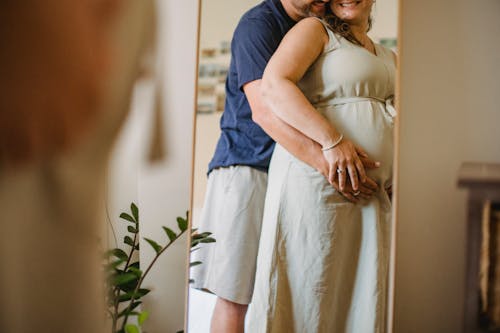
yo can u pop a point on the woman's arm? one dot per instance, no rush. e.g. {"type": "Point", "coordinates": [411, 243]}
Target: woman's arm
{"type": "Point", "coordinates": [298, 50]}
{"type": "Point", "coordinates": [302, 45]}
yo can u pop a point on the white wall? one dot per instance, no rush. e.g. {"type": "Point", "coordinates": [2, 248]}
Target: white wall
{"type": "Point", "coordinates": [385, 19]}
{"type": "Point", "coordinates": [450, 83]}
{"type": "Point", "coordinates": [162, 189]}
{"type": "Point", "coordinates": [219, 19]}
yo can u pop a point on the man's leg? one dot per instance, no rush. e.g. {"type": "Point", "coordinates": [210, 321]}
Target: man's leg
{"type": "Point", "coordinates": [228, 317]}
{"type": "Point", "coordinates": [233, 210]}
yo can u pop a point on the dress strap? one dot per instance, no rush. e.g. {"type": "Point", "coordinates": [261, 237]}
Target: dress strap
{"type": "Point", "coordinates": [333, 41]}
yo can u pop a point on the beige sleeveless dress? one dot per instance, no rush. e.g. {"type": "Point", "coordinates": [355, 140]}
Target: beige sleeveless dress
{"type": "Point", "coordinates": [323, 261]}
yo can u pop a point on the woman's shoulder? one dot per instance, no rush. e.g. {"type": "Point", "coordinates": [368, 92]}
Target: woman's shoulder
{"type": "Point", "coordinates": [318, 26]}
{"type": "Point", "coordinates": [311, 23]}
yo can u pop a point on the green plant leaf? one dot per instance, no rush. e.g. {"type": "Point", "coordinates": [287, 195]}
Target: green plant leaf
{"type": "Point", "coordinates": [128, 296]}
{"type": "Point", "coordinates": [135, 264]}
{"type": "Point", "coordinates": [119, 271]}
{"type": "Point", "coordinates": [112, 265]}
{"type": "Point", "coordinates": [135, 211]}
{"type": "Point", "coordinates": [154, 245]}
{"type": "Point", "coordinates": [131, 328]}
{"type": "Point", "coordinates": [129, 241]}
{"type": "Point", "coordinates": [137, 246]}
{"type": "Point", "coordinates": [195, 242]}
{"type": "Point", "coordinates": [132, 229]}
{"type": "Point", "coordinates": [131, 310]}
{"type": "Point", "coordinates": [142, 292]}
{"type": "Point", "coordinates": [182, 223]}
{"type": "Point", "coordinates": [142, 317]}
{"type": "Point", "coordinates": [127, 217]}
{"type": "Point", "coordinates": [171, 235]}
{"type": "Point", "coordinates": [129, 287]}
{"type": "Point", "coordinates": [201, 236]}
{"type": "Point", "coordinates": [119, 253]}
{"type": "Point", "coordinates": [207, 240]}
{"type": "Point", "coordinates": [124, 278]}
{"type": "Point", "coordinates": [135, 271]}
{"type": "Point", "coordinates": [125, 297]}
{"type": "Point", "coordinates": [195, 263]}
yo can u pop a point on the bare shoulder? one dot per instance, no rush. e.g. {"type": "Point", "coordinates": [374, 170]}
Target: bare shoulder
{"type": "Point", "coordinates": [311, 28]}
{"type": "Point", "coordinates": [311, 23]}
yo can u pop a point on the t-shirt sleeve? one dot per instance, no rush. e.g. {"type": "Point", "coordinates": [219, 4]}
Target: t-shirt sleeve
{"type": "Point", "coordinates": [253, 44]}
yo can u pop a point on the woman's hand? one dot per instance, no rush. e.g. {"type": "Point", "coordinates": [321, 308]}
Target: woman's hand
{"type": "Point", "coordinates": [365, 190]}
{"type": "Point", "coordinates": [344, 159]}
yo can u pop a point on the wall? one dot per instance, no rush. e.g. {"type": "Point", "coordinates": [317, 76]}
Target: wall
{"type": "Point", "coordinates": [449, 114]}
{"type": "Point", "coordinates": [161, 189]}
{"type": "Point", "coordinates": [216, 30]}
{"type": "Point", "coordinates": [385, 19]}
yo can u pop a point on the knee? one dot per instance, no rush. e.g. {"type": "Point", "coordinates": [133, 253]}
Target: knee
{"type": "Point", "coordinates": [231, 307]}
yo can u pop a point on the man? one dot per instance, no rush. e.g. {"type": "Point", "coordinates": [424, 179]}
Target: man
{"type": "Point", "coordinates": [237, 178]}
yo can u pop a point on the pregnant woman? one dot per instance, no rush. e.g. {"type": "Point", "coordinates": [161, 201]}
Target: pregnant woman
{"type": "Point", "coordinates": [323, 260]}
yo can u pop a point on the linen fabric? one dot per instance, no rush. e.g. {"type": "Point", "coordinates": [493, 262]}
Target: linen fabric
{"type": "Point", "coordinates": [323, 261]}
{"type": "Point", "coordinates": [233, 208]}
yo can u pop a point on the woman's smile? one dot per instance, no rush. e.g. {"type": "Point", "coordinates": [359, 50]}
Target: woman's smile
{"type": "Point", "coordinates": [352, 10]}
{"type": "Point", "coordinates": [349, 4]}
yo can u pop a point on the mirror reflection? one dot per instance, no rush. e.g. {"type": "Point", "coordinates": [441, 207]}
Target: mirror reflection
{"type": "Point", "coordinates": [302, 227]}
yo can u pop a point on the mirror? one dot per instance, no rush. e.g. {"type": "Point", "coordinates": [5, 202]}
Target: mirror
{"type": "Point", "coordinates": [214, 60]}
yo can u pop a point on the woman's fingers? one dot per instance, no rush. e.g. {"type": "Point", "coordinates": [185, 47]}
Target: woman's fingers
{"type": "Point", "coordinates": [341, 171]}
{"type": "Point", "coordinates": [346, 194]}
{"type": "Point", "coordinates": [332, 173]}
{"type": "Point", "coordinates": [361, 170]}
{"type": "Point", "coordinates": [347, 163]}
{"type": "Point", "coordinates": [353, 175]}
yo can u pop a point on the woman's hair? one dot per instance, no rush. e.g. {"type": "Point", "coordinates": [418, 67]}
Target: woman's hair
{"type": "Point", "coordinates": [341, 27]}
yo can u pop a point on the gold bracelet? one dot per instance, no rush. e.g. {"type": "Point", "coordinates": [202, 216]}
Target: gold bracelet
{"type": "Point", "coordinates": [335, 144]}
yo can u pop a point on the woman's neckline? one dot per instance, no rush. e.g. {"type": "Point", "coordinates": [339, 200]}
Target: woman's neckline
{"type": "Point", "coordinates": [375, 49]}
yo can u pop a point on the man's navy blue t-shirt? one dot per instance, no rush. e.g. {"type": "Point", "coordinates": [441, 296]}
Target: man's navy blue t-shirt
{"type": "Point", "coordinates": [257, 36]}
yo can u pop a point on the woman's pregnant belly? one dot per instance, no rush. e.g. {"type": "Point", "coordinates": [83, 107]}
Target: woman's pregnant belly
{"type": "Point", "coordinates": [368, 125]}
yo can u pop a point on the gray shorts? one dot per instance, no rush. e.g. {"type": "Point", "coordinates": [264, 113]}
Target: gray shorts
{"type": "Point", "coordinates": [232, 211]}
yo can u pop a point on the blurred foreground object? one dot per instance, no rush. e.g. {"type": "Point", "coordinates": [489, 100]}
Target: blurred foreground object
{"type": "Point", "coordinates": [66, 74]}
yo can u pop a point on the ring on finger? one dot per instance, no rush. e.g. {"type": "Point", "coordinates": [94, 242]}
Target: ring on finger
{"type": "Point", "coordinates": [356, 193]}
{"type": "Point", "coordinates": [339, 171]}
